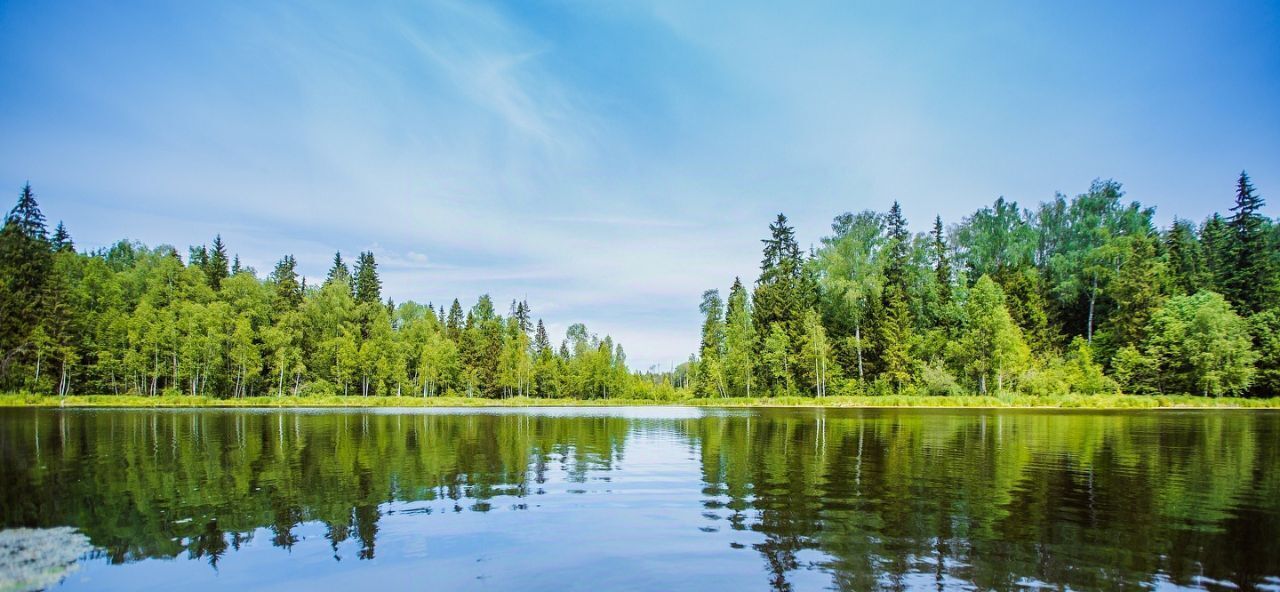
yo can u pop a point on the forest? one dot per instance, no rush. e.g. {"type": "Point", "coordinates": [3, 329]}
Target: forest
{"type": "Point", "coordinates": [130, 319]}
{"type": "Point", "coordinates": [1081, 295]}
{"type": "Point", "coordinates": [1077, 295]}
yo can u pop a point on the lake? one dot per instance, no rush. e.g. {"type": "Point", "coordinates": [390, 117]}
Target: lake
{"type": "Point", "coordinates": [651, 498]}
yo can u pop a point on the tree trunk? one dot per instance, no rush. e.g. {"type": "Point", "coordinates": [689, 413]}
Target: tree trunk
{"type": "Point", "coordinates": [1093, 298]}
{"type": "Point", "coordinates": [857, 338]}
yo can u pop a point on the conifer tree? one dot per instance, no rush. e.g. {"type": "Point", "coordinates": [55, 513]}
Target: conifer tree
{"type": "Point", "coordinates": [895, 325]}
{"type": "Point", "coordinates": [288, 292]}
{"type": "Point", "coordinates": [216, 270]}
{"type": "Point", "coordinates": [26, 260]}
{"type": "Point", "coordinates": [61, 240]}
{"type": "Point", "coordinates": [941, 263]}
{"type": "Point", "coordinates": [1184, 258]}
{"type": "Point", "coordinates": [1250, 280]}
{"type": "Point", "coordinates": [368, 287]}
{"type": "Point", "coordinates": [784, 289]}
{"type": "Point", "coordinates": [339, 271]}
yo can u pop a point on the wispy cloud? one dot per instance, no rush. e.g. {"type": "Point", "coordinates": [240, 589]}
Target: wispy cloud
{"type": "Point", "coordinates": [609, 161]}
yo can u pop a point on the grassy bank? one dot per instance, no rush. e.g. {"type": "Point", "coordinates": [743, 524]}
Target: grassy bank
{"type": "Point", "coordinates": [1004, 401]}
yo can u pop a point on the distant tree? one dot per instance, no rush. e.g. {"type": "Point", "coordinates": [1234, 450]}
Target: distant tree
{"type": "Point", "coordinates": [61, 240]}
{"type": "Point", "coordinates": [368, 287]}
{"type": "Point", "coordinates": [1199, 345]}
{"type": "Point", "coordinates": [991, 345]}
{"type": "Point", "coordinates": [1266, 339]}
{"type": "Point", "coordinates": [897, 366]}
{"type": "Point", "coordinates": [1250, 280]}
{"type": "Point", "coordinates": [26, 260]}
{"type": "Point", "coordinates": [338, 272]}
{"type": "Point", "coordinates": [288, 291]}
{"type": "Point", "coordinates": [1185, 259]}
{"type": "Point", "coordinates": [740, 341]}
{"type": "Point", "coordinates": [941, 262]}
{"type": "Point", "coordinates": [711, 380]}
{"type": "Point", "coordinates": [216, 267]}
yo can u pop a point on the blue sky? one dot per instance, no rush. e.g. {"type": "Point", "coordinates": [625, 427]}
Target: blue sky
{"type": "Point", "coordinates": [610, 160]}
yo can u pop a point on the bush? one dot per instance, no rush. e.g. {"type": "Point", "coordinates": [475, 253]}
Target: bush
{"type": "Point", "coordinates": [937, 381]}
{"type": "Point", "coordinates": [318, 388]}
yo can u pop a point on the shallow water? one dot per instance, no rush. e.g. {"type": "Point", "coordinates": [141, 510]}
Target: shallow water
{"type": "Point", "coordinates": [651, 498]}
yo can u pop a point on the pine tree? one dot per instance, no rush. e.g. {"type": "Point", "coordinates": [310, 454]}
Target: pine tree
{"type": "Point", "coordinates": [26, 216]}
{"type": "Point", "coordinates": [1185, 258]}
{"type": "Point", "coordinates": [895, 325]}
{"type": "Point", "coordinates": [941, 263]}
{"type": "Point", "coordinates": [784, 290]}
{"type": "Point", "coordinates": [1251, 278]}
{"type": "Point", "coordinates": [338, 271]}
{"type": "Point", "coordinates": [368, 288]}
{"type": "Point", "coordinates": [26, 260]}
{"type": "Point", "coordinates": [454, 324]}
{"type": "Point", "coordinates": [288, 292]}
{"type": "Point", "coordinates": [61, 240]}
{"type": "Point", "coordinates": [215, 270]}
{"type": "Point", "coordinates": [1219, 254]}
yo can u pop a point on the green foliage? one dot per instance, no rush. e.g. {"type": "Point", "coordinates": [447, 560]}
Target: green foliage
{"type": "Point", "coordinates": [1198, 344]}
{"type": "Point", "coordinates": [991, 347]}
{"type": "Point", "coordinates": [132, 320]}
{"type": "Point", "coordinates": [992, 306]}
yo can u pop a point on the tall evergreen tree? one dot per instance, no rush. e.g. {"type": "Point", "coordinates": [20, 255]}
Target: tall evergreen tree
{"type": "Point", "coordinates": [784, 291]}
{"type": "Point", "coordinates": [338, 271]}
{"type": "Point", "coordinates": [368, 288]}
{"type": "Point", "coordinates": [1219, 253]}
{"type": "Point", "coordinates": [1184, 258]}
{"type": "Point", "coordinates": [1250, 281]}
{"type": "Point", "coordinates": [288, 292]}
{"type": "Point", "coordinates": [216, 267]}
{"type": "Point", "coordinates": [941, 262]}
{"type": "Point", "coordinates": [26, 260]}
{"type": "Point", "coordinates": [894, 333]}
{"type": "Point", "coordinates": [61, 240]}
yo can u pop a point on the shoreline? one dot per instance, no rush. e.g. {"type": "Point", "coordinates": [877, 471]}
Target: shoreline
{"type": "Point", "coordinates": [1064, 402]}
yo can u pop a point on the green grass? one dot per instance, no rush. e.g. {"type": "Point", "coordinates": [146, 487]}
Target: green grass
{"type": "Point", "coordinates": [1110, 401]}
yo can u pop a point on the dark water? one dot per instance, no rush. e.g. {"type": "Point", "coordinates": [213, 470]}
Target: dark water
{"type": "Point", "coordinates": [652, 498]}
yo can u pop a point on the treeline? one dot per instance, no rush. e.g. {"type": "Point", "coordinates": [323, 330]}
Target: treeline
{"type": "Point", "coordinates": [1080, 295]}
{"type": "Point", "coordinates": [133, 319]}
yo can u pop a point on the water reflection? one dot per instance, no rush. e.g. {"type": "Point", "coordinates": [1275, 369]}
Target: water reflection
{"type": "Point", "coordinates": [778, 499]}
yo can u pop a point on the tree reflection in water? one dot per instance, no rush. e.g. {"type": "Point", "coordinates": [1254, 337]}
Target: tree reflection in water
{"type": "Point", "coordinates": [871, 499]}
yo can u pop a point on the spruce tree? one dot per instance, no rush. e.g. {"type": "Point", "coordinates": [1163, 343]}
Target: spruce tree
{"type": "Point", "coordinates": [368, 288]}
{"type": "Point", "coordinates": [785, 289]}
{"type": "Point", "coordinates": [61, 240]}
{"type": "Point", "coordinates": [26, 260]}
{"type": "Point", "coordinates": [895, 324]}
{"type": "Point", "coordinates": [454, 324]}
{"type": "Point", "coordinates": [338, 271]}
{"type": "Point", "coordinates": [216, 267]}
{"type": "Point", "coordinates": [941, 263]}
{"type": "Point", "coordinates": [1250, 279]}
{"type": "Point", "coordinates": [1185, 259]}
{"type": "Point", "coordinates": [288, 292]}
{"type": "Point", "coordinates": [26, 216]}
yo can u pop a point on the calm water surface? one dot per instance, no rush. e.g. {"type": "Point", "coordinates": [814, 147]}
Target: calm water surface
{"type": "Point", "coordinates": [651, 498]}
